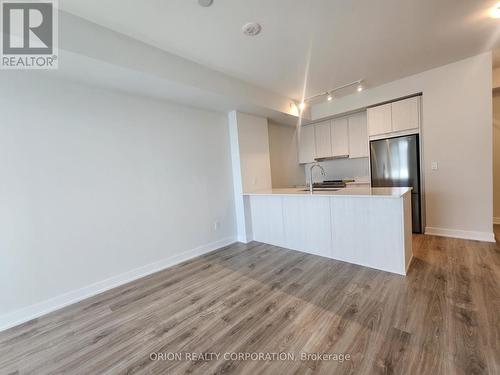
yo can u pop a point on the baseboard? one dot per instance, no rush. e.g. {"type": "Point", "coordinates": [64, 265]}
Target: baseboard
{"type": "Point", "coordinates": [34, 311]}
{"type": "Point", "coordinates": [464, 234]}
{"type": "Point", "coordinates": [244, 239]}
{"type": "Point", "coordinates": [496, 220]}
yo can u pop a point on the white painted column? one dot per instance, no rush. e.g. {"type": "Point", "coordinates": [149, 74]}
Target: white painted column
{"type": "Point", "coordinates": [251, 165]}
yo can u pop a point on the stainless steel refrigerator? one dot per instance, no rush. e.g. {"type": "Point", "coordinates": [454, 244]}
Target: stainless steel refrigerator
{"type": "Point", "coordinates": [395, 162]}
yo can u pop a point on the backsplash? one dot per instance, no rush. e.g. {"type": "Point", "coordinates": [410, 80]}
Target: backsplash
{"type": "Point", "coordinates": [341, 168]}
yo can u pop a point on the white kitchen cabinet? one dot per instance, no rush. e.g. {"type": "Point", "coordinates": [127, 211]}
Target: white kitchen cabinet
{"type": "Point", "coordinates": [396, 117]}
{"type": "Point", "coordinates": [339, 136]}
{"type": "Point", "coordinates": [307, 145]}
{"type": "Point", "coordinates": [406, 114]}
{"type": "Point", "coordinates": [368, 230]}
{"type": "Point", "coordinates": [307, 224]}
{"type": "Point", "coordinates": [358, 136]}
{"type": "Point", "coordinates": [267, 219]}
{"type": "Point", "coordinates": [322, 135]}
{"type": "Point", "coordinates": [380, 119]}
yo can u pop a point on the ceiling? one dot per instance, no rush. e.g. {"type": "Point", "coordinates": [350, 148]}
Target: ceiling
{"type": "Point", "coordinates": [316, 44]}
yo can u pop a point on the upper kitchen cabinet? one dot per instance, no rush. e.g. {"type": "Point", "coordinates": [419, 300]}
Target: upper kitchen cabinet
{"type": "Point", "coordinates": [307, 145]}
{"type": "Point", "coordinates": [380, 119]}
{"type": "Point", "coordinates": [322, 135]}
{"type": "Point", "coordinates": [400, 117]}
{"type": "Point", "coordinates": [406, 114]}
{"type": "Point", "coordinates": [339, 136]}
{"type": "Point", "coordinates": [358, 136]}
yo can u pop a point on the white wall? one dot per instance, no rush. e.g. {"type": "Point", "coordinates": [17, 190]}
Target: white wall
{"type": "Point", "coordinates": [95, 184]}
{"type": "Point", "coordinates": [339, 169]}
{"type": "Point", "coordinates": [253, 140]}
{"type": "Point", "coordinates": [457, 116]}
{"type": "Point", "coordinates": [496, 157]}
{"type": "Point", "coordinates": [283, 148]}
{"type": "Point", "coordinates": [251, 164]}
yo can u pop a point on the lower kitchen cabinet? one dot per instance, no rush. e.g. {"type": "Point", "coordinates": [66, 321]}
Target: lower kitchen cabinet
{"type": "Point", "coordinates": [368, 230]}
{"type": "Point", "coordinates": [364, 231]}
{"type": "Point", "coordinates": [307, 224]}
{"type": "Point", "coordinates": [267, 220]}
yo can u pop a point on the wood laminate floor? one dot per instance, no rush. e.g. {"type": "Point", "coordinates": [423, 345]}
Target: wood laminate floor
{"type": "Point", "coordinates": [443, 318]}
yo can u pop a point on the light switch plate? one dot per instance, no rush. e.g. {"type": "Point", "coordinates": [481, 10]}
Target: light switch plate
{"type": "Point", "coordinates": [434, 166]}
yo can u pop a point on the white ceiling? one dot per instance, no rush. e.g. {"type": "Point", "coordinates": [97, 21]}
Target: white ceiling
{"type": "Point", "coordinates": [324, 42]}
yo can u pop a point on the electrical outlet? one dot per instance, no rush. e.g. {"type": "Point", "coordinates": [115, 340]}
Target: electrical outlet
{"type": "Point", "coordinates": [434, 166]}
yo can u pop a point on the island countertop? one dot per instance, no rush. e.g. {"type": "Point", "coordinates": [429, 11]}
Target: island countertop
{"type": "Point", "coordinates": [395, 192]}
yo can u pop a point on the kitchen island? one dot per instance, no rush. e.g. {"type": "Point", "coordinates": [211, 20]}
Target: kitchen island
{"type": "Point", "coordinates": [366, 226]}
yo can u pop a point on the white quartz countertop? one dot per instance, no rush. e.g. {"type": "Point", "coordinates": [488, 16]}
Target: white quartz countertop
{"type": "Point", "coordinates": [396, 192]}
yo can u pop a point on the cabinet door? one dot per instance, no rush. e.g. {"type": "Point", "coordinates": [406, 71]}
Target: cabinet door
{"type": "Point", "coordinates": [267, 219]}
{"type": "Point", "coordinates": [358, 136]}
{"type": "Point", "coordinates": [307, 151]}
{"type": "Point", "coordinates": [340, 137]}
{"type": "Point", "coordinates": [323, 141]}
{"type": "Point", "coordinates": [380, 119]}
{"type": "Point", "coordinates": [307, 224]}
{"type": "Point", "coordinates": [406, 114]}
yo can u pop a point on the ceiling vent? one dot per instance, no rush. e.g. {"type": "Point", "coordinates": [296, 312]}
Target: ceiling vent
{"type": "Point", "coordinates": [251, 29]}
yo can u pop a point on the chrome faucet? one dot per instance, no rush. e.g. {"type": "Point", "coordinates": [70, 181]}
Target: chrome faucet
{"type": "Point", "coordinates": [311, 188]}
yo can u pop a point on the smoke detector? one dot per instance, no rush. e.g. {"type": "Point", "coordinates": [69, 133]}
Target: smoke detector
{"type": "Point", "coordinates": [251, 29]}
{"type": "Point", "coordinates": [205, 3]}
